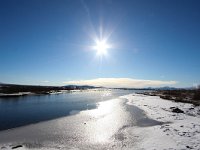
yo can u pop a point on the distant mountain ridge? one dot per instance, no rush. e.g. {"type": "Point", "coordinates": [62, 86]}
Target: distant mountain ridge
{"type": "Point", "coordinates": [153, 88]}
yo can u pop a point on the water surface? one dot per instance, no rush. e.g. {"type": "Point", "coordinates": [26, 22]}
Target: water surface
{"type": "Point", "coordinates": [19, 111]}
{"type": "Point", "coordinates": [113, 124]}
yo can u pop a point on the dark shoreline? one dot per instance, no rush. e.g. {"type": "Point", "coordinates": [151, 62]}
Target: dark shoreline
{"type": "Point", "coordinates": [14, 90]}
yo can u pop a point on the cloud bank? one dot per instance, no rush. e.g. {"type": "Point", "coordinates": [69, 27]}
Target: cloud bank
{"type": "Point", "coordinates": [121, 82]}
{"type": "Point", "coordinates": [45, 81]}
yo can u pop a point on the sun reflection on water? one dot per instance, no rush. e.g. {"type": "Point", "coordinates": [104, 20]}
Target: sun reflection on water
{"type": "Point", "coordinates": [106, 121]}
{"type": "Point", "coordinates": [103, 109]}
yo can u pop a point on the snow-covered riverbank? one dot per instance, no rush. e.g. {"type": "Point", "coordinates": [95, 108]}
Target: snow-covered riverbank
{"type": "Point", "coordinates": [182, 130]}
{"type": "Point", "coordinates": [115, 124]}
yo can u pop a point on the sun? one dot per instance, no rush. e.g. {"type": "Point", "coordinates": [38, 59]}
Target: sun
{"type": "Point", "coordinates": [101, 47]}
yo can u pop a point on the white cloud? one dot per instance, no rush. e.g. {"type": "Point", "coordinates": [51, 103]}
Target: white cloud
{"type": "Point", "coordinates": [121, 82]}
{"type": "Point", "coordinates": [45, 81]}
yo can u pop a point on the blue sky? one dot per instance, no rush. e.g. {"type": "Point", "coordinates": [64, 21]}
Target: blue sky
{"type": "Point", "coordinates": [48, 42]}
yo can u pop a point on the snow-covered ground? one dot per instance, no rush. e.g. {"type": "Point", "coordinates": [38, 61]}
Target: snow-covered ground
{"type": "Point", "coordinates": [115, 124]}
{"type": "Point", "coordinates": [179, 131]}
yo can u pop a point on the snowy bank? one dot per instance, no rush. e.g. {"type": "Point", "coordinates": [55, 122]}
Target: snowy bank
{"type": "Point", "coordinates": [181, 130]}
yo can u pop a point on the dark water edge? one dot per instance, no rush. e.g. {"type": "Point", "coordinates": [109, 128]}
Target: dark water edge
{"type": "Point", "coordinates": [140, 118]}
{"type": "Point", "coordinates": [24, 110]}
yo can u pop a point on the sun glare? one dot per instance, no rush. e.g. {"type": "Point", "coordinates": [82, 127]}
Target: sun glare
{"type": "Point", "coordinates": [101, 47]}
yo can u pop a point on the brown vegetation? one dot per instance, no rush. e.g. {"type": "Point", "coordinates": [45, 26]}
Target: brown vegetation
{"type": "Point", "coordinates": [181, 95]}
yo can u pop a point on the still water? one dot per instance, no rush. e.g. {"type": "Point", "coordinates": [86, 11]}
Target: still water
{"type": "Point", "coordinates": [19, 111]}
